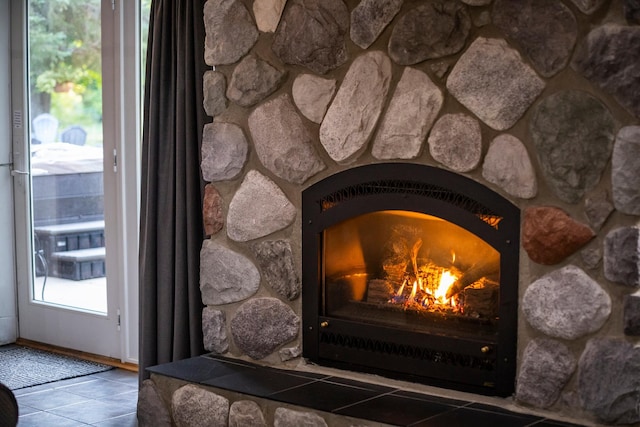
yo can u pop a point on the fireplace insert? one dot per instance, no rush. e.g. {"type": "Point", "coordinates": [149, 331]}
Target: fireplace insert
{"type": "Point", "coordinates": [411, 272]}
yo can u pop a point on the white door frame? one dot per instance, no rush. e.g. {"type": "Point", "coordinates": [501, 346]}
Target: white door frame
{"type": "Point", "coordinates": [113, 335]}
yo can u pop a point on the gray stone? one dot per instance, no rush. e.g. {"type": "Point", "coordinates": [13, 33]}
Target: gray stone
{"type": "Point", "coordinates": [597, 208]}
{"type": "Point", "coordinates": [477, 2]}
{"type": "Point", "coordinates": [312, 34]}
{"type": "Point", "coordinates": [493, 81]}
{"type": "Point", "coordinates": [439, 69]}
{"type": "Point", "coordinates": [193, 406]}
{"type": "Point", "coordinates": [261, 325]}
{"type": "Point", "coordinates": [591, 257]}
{"type": "Point", "coordinates": [253, 80]}
{"type": "Point", "coordinates": [224, 151]}
{"type": "Point", "coordinates": [625, 170]}
{"type": "Point", "coordinates": [352, 116]}
{"type": "Point", "coordinates": [481, 19]}
{"type": "Point", "coordinates": [312, 95]}
{"type": "Point", "coordinates": [289, 418]}
{"type": "Point", "coordinates": [429, 31]}
{"type": "Point", "coordinates": [215, 88]}
{"type": "Point", "coordinates": [246, 413]}
{"type": "Point", "coordinates": [573, 134]}
{"type": "Point", "coordinates": [545, 368]}
{"type": "Point", "coordinates": [609, 380]}
{"type": "Point", "coordinates": [268, 13]}
{"type": "Point", "coordinates": [290, 353]}
{"type": "Point", "coordinates": [229, 31]}
{"type": "Point", "coordinates": [632, 11]}
{"type": "Point", "coordinates": [566, 303]}
{"type": "Point", "coordinates": [245, 222]}
{"type": "Point", "coordinates": [610, 58]}
{"type": "Point", "coordinates": [283, 144]}
{"type": "Point", "coordinates": [588, 6]}
{"type": "Point", "coordinates": [622, 256]}
{"type": "Point", "coordinates": [631, 315]}
{"type": "Point", "coordinates": [151, 409]}
{"type": "Point", "coordinates": [278, 267]}
{"type": "Point", "coordinates": [414, 107]}
{"type": "Point", "coordinates": [545, 30]}
{"type": "Point", "coordinates": [225, 276]}
{"type": "Point", "coordinates": [456, 142]}
{"type": "Point", "coordinates": [214, 332]}
{"type": "Point", "coordinates": [370, 17]}
{"type": "Point", "coordinates": [507, 164]}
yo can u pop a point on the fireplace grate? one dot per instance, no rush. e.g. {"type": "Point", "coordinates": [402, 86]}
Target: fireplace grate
{"type": "Point", "coordinates": [409, 351]}
{"type": "Point", "coordinates": [413, 188]}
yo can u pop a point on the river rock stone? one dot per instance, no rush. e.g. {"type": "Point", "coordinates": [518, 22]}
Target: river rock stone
{"type": "Point", "coordinates": [355, 110]}
{"type": "Point", "coordinates": [225, 276]}
{"type": "Point", "coordinates": [229, 31]}
{"type": "Point", "coordinates": [622, 256]}
{"type": "Point", "coordinates": [283, 143]}
{"type": "Point", "coordinates": [588, 6]}
{"type": "Point", "coordinates": [246, 413]}
{"type": "Point", "coordinates": [610, 58]}
{"type": "Point", "coordinates": [312, 95]}
{"type": "Point", "coordinates": [278, 267]}
{"type": "Point", "coordinates": [253, 80]}
{"type": "Point", "coordinates": [631, 315]}
{"type": "Point", "coordinates": [215, 88]}
{"type": "Point", "coordinates": [591, 257]}
{"type": "Point", "coordinates": [193, 406]}
{"type": "Point", "coordinates": [312, 34]}
{"type": "Point", "coordinates": [566, 303]}
{"type": "Point", "coordinates": [284, 417]}
{"type": "Point", "coordinates": [573, 133]}
{"type": "Point", "coordinates": [477, 2]}
{"type": "Point", "coordinates": [429, 31]}
{"type": "Point", "coordinates": [212, 210]}
{"type": "Point", "coordinates": [369, 18]}
{"type": "Point", "coordinates": [151, 409]}
{"type": "Point", "coordinates": [545, 369]}
{"type": "Point", "coordinates": [290, 353]}
{"type": "Point", "coordinates": [550, 235]}
{"type": "Point", "coordinates": [214, 330]}
{"type": "Point", "coordinates": [414, 107]}
{"type": "Point", "coordinates": [597, 208]}
{"type": "Point", "coordinates": [507, 164]}
{"type": "Point", "coordinates": [625, 170]}
{"type": "Point", "coordinates": [609, 380]}
{"type": "Point", "coordinates": [493, 81]}
{"type": "Point", "coordinates": [545, 30]}
{"type": "Point", "coordinates": [456, 142]}
{"type": "Point", "coordinates": [245, 221]}
{"type": "Point", "coordinates": [224, 151]}
{"type": "Point", "coordinates": [268, 13]}
{"type": "Point", "coordinates": [261, 325]}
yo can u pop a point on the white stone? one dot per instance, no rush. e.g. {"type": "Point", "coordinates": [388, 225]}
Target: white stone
{"type": "Point", "coordinates": [507, 164]}
{"type": "Point", "coordinates": [414, 107]}
{"type": "Point", "coordinates": [258, 209]}
{"type": "Point", "coordinates": [456, 142]}
{"type": "Point", "coordinates": [268, 13]}
{"type": "Point", "coordinates": [312, 95]}
{"type": "Point", "coordinates": [352, 116]}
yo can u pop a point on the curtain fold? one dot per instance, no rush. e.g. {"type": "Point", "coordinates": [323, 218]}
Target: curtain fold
{"type": "Point", "coordinates": [171, 227]}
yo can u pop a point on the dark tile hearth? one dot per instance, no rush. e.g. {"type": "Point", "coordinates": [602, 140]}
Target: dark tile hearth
{"type": "Point", "coordinates": [342, 396]}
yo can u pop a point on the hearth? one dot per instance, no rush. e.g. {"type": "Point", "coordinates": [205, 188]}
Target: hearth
{"type": "Point", "coordinates": [411, 271]}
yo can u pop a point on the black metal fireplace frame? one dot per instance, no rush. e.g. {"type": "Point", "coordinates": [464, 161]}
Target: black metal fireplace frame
{"type": "Point", "coordinates": [484, 364]}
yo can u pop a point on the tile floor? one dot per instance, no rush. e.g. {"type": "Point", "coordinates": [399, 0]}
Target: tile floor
{"type": "Point", "coordinates": [104, 399]}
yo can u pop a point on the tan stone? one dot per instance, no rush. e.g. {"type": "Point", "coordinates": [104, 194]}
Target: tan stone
{"type": "Point", "coordinates": [549, 235]}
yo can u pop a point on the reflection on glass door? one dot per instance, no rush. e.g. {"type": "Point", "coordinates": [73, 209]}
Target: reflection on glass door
{"type": "Point", "coordinates": [66, 143]}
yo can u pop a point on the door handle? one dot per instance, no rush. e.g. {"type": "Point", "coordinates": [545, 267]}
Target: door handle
{"type": "Point", "coordinates": [15, 172]}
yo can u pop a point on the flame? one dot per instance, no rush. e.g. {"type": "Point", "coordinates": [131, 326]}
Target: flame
{"type": "Point", "coordinates": [446, 280]}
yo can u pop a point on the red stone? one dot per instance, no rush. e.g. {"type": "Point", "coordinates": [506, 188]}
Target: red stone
{"type": "Point", "coordinates": [550, 235]}
{"type": "Point", "coordinates": [212, 210]}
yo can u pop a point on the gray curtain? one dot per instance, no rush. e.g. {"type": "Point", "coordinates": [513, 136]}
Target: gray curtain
{"type": "Point", "coordinates": [171, 230]}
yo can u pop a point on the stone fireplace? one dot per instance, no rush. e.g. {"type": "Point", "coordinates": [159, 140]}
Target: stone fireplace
{"type": "Point", "coordinates": [535, 101]}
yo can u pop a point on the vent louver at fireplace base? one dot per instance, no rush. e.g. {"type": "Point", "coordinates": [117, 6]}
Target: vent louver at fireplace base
{"type": "Point", "coordinates": [462, 350]}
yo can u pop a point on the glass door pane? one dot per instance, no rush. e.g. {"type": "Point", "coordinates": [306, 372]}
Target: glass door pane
{"type": "Point", "coordinates": [66, 144]}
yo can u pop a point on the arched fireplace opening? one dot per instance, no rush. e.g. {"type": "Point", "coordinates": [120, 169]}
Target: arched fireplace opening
{"type": "Point", "coordinates": [411, 272]}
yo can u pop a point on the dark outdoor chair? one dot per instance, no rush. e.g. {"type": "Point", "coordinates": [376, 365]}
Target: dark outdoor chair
{"type": "Point", "coordinates": [74, 135]}
{"type": "Point", "coordinates": [8, 407]}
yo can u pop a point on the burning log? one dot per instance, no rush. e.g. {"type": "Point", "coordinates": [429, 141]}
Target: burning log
{"type": "Point", "coordinates": [379, 291]}
{"type": "Point", "coordinates": [481, 300]}
{"type": "Point", "coordinates": [474, 274]}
